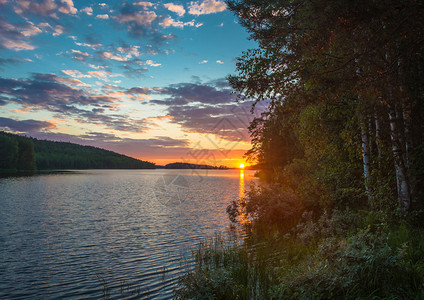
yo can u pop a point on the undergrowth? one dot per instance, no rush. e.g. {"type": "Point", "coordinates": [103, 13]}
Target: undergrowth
{"type": "Point", "coordinates": [345, 255]}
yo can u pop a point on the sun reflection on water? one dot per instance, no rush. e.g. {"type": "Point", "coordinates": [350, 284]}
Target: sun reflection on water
{"type": "Point", "coordinates": [242, 200]}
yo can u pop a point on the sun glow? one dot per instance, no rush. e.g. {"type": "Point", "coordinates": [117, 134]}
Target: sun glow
{"type": "Point", "coordinates": [241, 166]}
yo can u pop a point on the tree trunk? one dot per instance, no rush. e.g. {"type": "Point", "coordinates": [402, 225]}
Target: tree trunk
{"type": "Point", "coordinates": [403, 186]}
{"type": "Point", "coordinates": [365, 155]}
{"type": "Point", "coordinates": [377, 138]}
{"type": "Point", "coordinates": [370, 137]}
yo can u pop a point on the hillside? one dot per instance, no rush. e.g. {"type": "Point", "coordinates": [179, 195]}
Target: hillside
{"type": "Point", "coordinates": [18, 153]}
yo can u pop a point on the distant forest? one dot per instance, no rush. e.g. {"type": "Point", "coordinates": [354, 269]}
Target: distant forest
{"type": "Point", "coordinates": [24, 154]}
{"type": "Point", "coordinates": [181, 165]}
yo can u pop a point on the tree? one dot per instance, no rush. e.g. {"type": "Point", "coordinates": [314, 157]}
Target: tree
{"type": "Point", "coordinates": [26, 155]}
{"type": "Point", "coordinates": [362, 52]}
{"type": "Point", "coordinates": [8, 152]}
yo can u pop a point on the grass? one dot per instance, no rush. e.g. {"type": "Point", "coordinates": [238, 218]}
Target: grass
{"type": "Point", "coordinates": [372, 262]}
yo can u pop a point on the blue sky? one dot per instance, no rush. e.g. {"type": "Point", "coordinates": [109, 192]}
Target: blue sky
{"type": "Point", "coordinates": [146, 79]}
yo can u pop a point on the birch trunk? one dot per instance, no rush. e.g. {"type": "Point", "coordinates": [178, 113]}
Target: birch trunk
{"type": "Point", "coordinates": [370, 137]}
{"type": "Point", "coordinates": [365, 155]}
{"type": "Point", "coordinates": [377, 137]}
{"type": "Point", "coordinates": [403, 187]}
{"type": "Point", "coordinates": [407, 129]}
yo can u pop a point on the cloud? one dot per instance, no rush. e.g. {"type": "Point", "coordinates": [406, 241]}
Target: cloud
{"type": "Point", "coordinates": [13, 37]}
{"type": "Point", "coordinates": [183, 93]}
{"type": "Point", "coordinates": [178, 9]}
{"type": "Point", "coordinates": [152, 63]}
{"type": "Point", "coordinates": [30, 30]}
{"type": "Point", "coordinates": [65, 97]}
{"type": "Point", "coordinates": [103, 75]}
{"type": "Point", "coordinates": [56, 31]}
{"type": "Point", "coordinates": [144, 4]}
{"type": "Point", "coordinates": [140, 22]}
{"type": "Point", "coordinates": [75, 73]}
{"type": "Point", "coordinates": [220, 62]}
{"type": "Point", "coordinates": [203, 62]}
{"type": "Point", "coordinates": [134, 68]}
{"type": "Point", "coordinates": [206, 7]}
{"type": "Point", "coordinates": [103, 17]}
{"type": "Point", "coordinates": [71, 81]}
{"type": "Point", "coordinates": [88, 10]}
{"type": "Point", "coordinates": [9, 61]}
{"type": "Point", "coordinates": [120, 54]}
{"type": "Point", "coordinates": [168, 22]}
{"type": "Point", "coordinates": [67, 7]}
{"type": "Point", "coordinates": [17, 45]}
{"type": "Point", "coordinates": [45, 8]}
{"type": "Point", "coordinates": [25, 125]}
{"type": "Point", "coordinates": [47, 91]}
{"type": "Point", "coordinates": [112, 56]}
{"type": "Point", "coordinates": [207, 108]}
{"type": "Point", "coordinates": [77, 55]}
{"type": "Point", "coordinates": [134, 72]}
{"type": "Point", "coordinates": [134, 19]}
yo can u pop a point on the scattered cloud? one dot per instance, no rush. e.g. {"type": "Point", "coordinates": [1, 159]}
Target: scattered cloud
{"type": "Point", "coordinates": [170, 22]}
{"type": "Point", "coordinates": [103, 75]}
{"type": "Point", "coordinates": [121, 54]}
{"type": "Point", "coordinates": [152, 63]}
{"type": "Point", "coordinates": [75, 73]}
{"type": "Point", "coordinates": [30, 30]}
{"type": "Point", "coordinates": [220, 62]}
{"type": "Point", "coordinates": [79, 55]}
{"type": "Point", "coordinates": [55, 31]}
{"type": "Point", "coordinates": [207, 108]}
{"type": "Point", "coordinates": [178, 9]}
{"type": "Point", "coordinates": [45, 8]}
{"type": "Point", "coordinates": [206, 7]}
{"type": "Point", "coordinates": [134, 70]}
{"type": "Point", "coordinates": [146, 24]}
{"type": "Point", "coordinates": [67, 98]}
{"type": "Point", "coordinates": [145, 5]}
{"type": "Point", "coordinates": [25, 125]}
{"type": "Point", "coordinates": [13, 37]}
{"type": "Point", "coordinates": [136, 19]}
{"type": "Point", "coordinates": [88, 10]}
{"type": "Point", "coordinates": [203, 62]}
{"type": "Point", "coordinates": [103, 17]}
{"type": "Point", "coordinates": [9, 61]}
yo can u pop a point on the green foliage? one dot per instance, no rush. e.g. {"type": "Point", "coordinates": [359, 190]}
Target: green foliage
{"type": "Point", "coordinates": [8, 153]}
{"type": "Point", "coordinates": [16, 154]}
{"type": "Point", "coordinates": [342, 261]}
{"type": "Point", "coordinates": [26, 155]}
{"type": "Point", "coordinates": [341, 145]}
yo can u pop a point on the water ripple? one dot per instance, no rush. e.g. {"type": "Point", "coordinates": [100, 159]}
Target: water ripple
{"type": "Point", "coordinates": [94, 234]}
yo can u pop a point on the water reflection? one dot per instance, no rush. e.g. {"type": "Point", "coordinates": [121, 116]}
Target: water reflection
{"type": "Point", "coordinates": [242, 200]}
{"type": "Point", "coordinates": [241, 185]}
{"type": "Point", "coordinates": [73, 235]}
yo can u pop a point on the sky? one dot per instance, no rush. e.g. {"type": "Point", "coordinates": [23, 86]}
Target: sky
{"type": "Point", "coordinates": [145, 79]}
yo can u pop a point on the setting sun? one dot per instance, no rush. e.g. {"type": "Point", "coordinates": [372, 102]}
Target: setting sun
{"type": "Point", "coordinates": [241, 166]}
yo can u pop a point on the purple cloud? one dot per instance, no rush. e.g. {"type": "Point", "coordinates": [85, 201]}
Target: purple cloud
{"type": "Point", "coordinates": [56, 94]}
{"type": "Point", "coordinates": [24, 125]}
{"type": "Point", "coordinates": [207, 108]}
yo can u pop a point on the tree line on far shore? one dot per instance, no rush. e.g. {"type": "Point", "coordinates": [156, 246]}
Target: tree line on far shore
{"type": "Point", "coordinates": [24, 154]}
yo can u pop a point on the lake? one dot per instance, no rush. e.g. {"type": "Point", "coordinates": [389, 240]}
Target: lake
{"type": "Point", "coordinates": [108, 233]}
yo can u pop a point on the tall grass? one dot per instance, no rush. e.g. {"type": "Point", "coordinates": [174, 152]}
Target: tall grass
{"type": "Point", "coordinates": [372, 262]}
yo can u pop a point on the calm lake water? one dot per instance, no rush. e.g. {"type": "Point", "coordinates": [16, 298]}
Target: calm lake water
{"type": "Point", "coordinates": [108, 233]}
